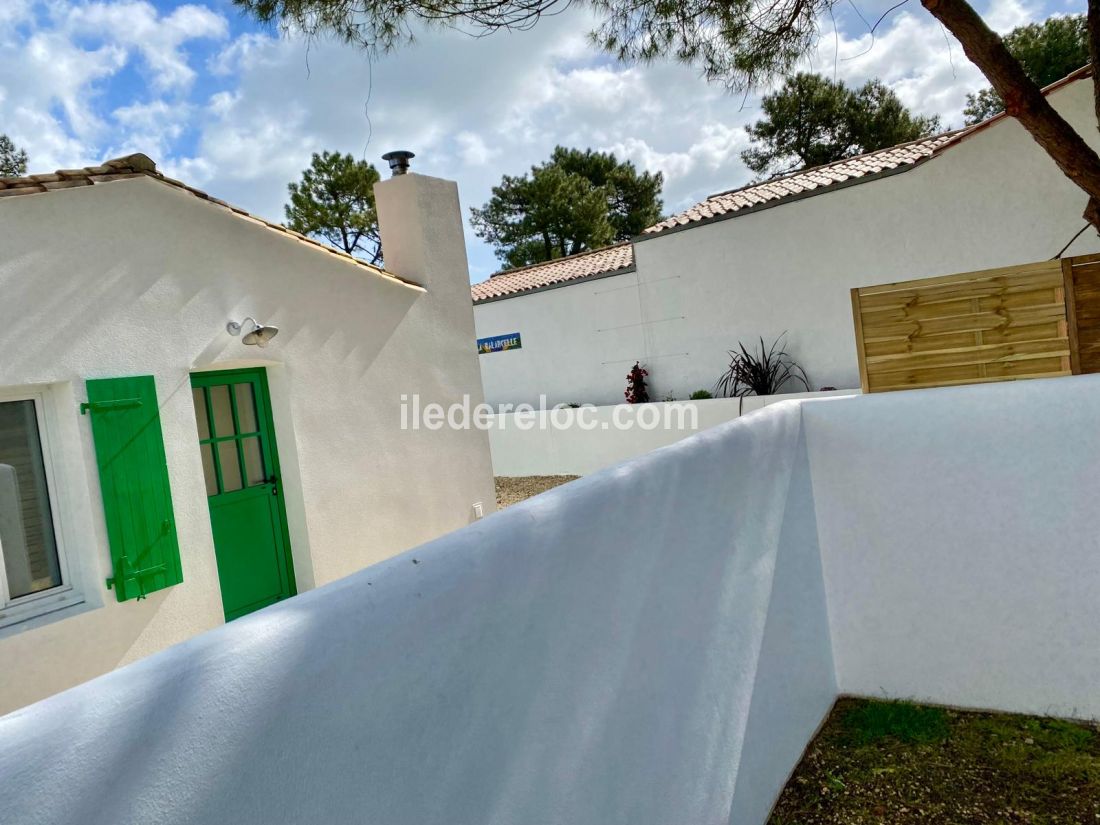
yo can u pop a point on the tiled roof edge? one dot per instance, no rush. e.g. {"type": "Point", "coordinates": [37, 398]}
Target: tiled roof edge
{"type": "Point", "coordinates": [625, 270]}
{"type": "Point", "coordinates": [139, 165]}
{"type": "Point", "coordinates": [951, 138]}
{"type": "Point", "coordinates": [575, 256]}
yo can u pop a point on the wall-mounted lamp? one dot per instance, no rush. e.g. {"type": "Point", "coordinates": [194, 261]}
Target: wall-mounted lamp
{"type": "Point", "coordinates": [259, 335]}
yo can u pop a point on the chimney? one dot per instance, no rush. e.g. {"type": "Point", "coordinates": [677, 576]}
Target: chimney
{"type": "Point", "coordinates": [399, 161]}
{"type": "Point", "coordinates": [420, 221]}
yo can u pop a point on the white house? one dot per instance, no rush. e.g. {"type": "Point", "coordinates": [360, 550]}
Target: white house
{"type": "Point", "coordinates": [160, 474]}
{"type": "Point", "coordinates": [781, 256]}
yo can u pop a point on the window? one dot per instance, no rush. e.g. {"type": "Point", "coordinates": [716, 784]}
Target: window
{"type": "Point", "coordinates": [32, 572]}
{"type": "Point", "coordinates": [230, 437]}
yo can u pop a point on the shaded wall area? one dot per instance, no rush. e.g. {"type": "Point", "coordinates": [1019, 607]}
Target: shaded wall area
{"type": "Point", "coordinates": [653, 643]}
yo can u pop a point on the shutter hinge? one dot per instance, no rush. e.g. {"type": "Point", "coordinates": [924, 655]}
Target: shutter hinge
{"type": "Point", "coordinates": [135, 575]}
{"type": "Point", "coordinates": [99, 406]}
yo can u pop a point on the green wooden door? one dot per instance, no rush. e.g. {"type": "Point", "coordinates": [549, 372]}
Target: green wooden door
{"type": "Point", "coordinates": [241, 465]}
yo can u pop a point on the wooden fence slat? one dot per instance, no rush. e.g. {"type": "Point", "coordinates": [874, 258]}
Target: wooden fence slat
{"type": "Point", "coordinates": [861, 355]}
{"type": "Point", "coordinates": [1071, 316]}
{"type": "Point", "coordinates": [975, 354]}
{"type": "Point", "coordinates": [917, 379]}
{"type": "Point", "coordinates": [979, 275]}
{"type": "Point", "coordinates": [958, 340]}
{"type": "Point", "coordinates": [971, 289]}
{"type": "Point", "coordinates": [962, 306]}
{"type": "Point", "coordinates": [975, 321]}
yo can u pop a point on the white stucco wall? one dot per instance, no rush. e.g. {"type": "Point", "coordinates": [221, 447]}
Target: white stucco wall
{"type": "Point", "coordinates": [542, 665]}
{"type": "Point", "coordinates": [995, 199]}
{"type": "Point", "coordinates": [579, 442]}
{"type": "Point", "coordinates": [960, 536]}
{"type": "Point", "coordinates": [653, 643]}
{"type": "Point", "coordinates": [134, 278]}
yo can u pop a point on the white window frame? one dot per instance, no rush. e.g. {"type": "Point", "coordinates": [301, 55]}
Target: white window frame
{"type": "Point", "coordinates": [68, 593]}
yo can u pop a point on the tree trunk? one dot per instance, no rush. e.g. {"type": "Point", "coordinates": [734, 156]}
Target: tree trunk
{"type": "Point", "coordinates": [1092, 25]}
{"type": "Point", "coordinates": [1022, 97]}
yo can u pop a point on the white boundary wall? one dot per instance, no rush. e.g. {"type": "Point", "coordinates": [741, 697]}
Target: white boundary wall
{"type": "Point", "coordinates": [996, 199]}
{"type": "Point", "coordinates": [528, 444]}
{"type": "Point", "coordinates": [654, 643]}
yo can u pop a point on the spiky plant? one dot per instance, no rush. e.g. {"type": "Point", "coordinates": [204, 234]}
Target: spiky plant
{"type": "Point", "coordinates": [760, 373]}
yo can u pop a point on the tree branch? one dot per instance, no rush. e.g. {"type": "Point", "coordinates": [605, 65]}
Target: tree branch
{"type": "Point", "coordinates": [1023, 98]}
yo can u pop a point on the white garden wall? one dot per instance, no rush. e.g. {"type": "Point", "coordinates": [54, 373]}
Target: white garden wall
{"type": "Point", "coordinates": [578, 442]}
{"type": "Point", "coordinates": [995, 199]}
{"type": "Point", "coordinates": [960, 534]}
{"type": "Point", "coordinates": [653, 643]}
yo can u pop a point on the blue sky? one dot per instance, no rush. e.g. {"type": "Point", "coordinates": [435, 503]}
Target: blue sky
{"type": "Point", "coordinates": [237, 109]}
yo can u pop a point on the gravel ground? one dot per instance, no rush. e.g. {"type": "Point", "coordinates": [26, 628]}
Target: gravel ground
{"type": "Point", "coordinates": [514, 489]}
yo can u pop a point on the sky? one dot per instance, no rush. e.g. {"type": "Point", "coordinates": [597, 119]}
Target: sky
{"type": "Point", "coordinates": [236, 109]}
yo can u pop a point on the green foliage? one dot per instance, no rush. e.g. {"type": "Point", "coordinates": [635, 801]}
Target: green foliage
{"type": "Point", "coordinates": [633, 199]}
{"type": "Point", "coordinates": [740, 43]}
{"type": "Point", "coordinates": [335, 202]}
{"type": "Point", "coordinates": [13, 160]}
{"type": "Point", "coordinates": [813, 120]}
{"type": "Point", "coordinates": [700, 395]}
{"type": "Point", "coordinates": [871, 721]}
{"type": "Point", "coordinates": [575, 201]}
{"type": "Point", "coordinates": [737, 42]}
{"type": "Point", "coordinates": [1047, 51]}
{"type": "Point", "coordinates": [1047, 734]}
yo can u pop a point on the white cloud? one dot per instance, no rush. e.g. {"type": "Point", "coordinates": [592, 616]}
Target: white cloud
{"type": "Point", "coordinates": [13, 12]}
{"type": "Point", "coordinates": [472, 149]}
{"type": "Point", "coordinates": [137, 26]}
{"type": "Point", "coordinates": [472, 109]}
{"type": "Point", "coordinates": [151, 128]}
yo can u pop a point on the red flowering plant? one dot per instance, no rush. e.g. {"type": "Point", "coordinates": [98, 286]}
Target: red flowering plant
{"type": "Point", "coordinates": [636, 391]}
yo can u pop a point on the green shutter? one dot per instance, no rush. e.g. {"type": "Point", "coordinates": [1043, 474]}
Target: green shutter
{"type": "Point", "coordinates": [133, 476]}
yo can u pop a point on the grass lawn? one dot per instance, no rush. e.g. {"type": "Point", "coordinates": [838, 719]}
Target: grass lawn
{"type": "Point", "coordinates": [876, 762]}
{"type": "Point", "coordinates": [514, 489]}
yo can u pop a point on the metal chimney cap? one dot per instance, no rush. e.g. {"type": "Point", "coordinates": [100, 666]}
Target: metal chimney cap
{"type": "Point", "coordinates": [399, 160]}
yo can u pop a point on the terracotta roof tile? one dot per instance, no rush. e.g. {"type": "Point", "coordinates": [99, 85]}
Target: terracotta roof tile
{"type": "Point", "coordinates": [619, 257]}
{"type": "Point", "coordinates": [139, 165]}
{"type": "Point", "coordinates": [798, 184]}
{"type": "Point", "coordinates": [807, 181]}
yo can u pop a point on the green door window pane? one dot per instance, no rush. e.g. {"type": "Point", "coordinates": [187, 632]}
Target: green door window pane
{"type": "Point", "coordinates": [246, 408]}
{"type": "Point", "coordinates": [230, 466]}
{"type": "Point", "coordinates": [208, 471]}
{"type": "Point", "coordinates": [202, 420]}
{"type": "Point", "coordinates": [223, 411]}
{"type": "Point", "coordinates": [253, 462]}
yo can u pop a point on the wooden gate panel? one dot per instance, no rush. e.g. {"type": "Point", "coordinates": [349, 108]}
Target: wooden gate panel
{"type": "Point", "coordinates": [995, 325]}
